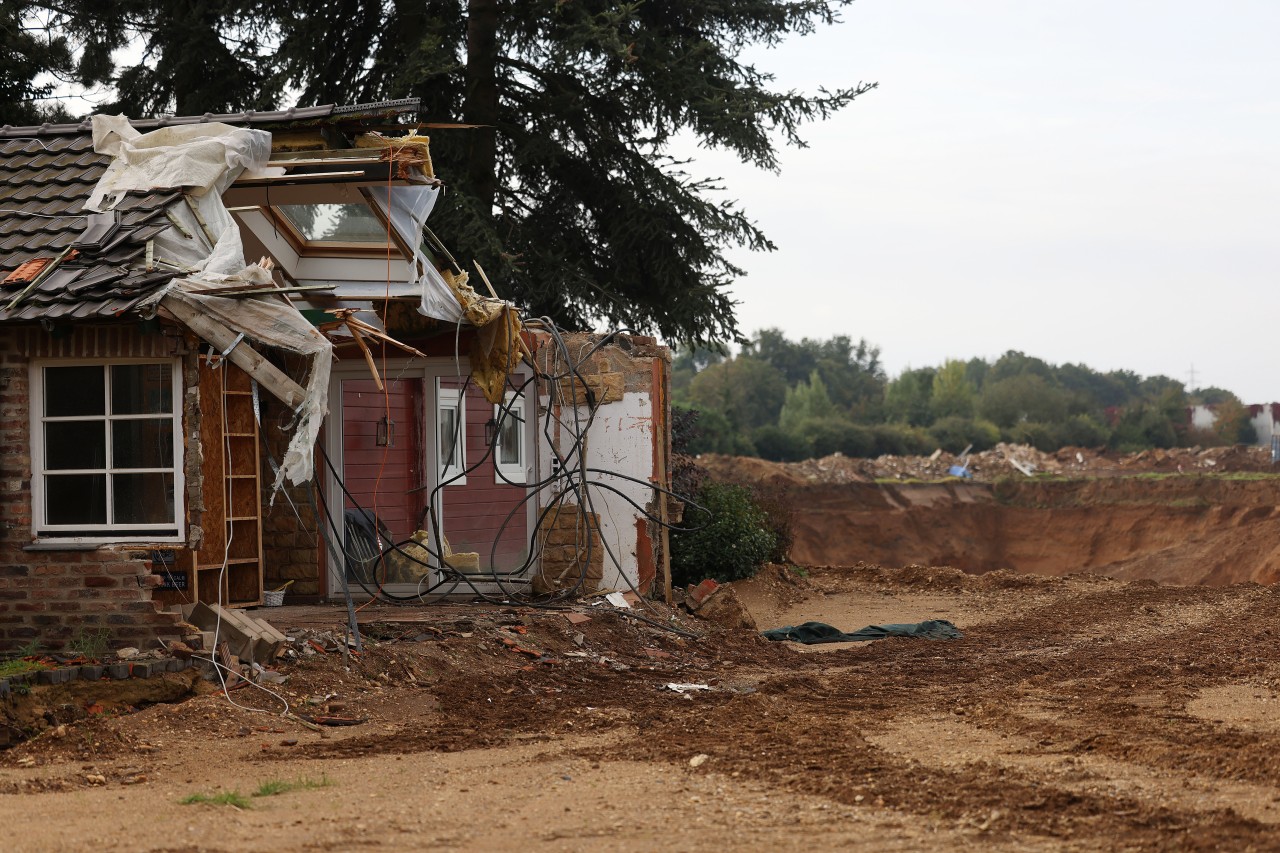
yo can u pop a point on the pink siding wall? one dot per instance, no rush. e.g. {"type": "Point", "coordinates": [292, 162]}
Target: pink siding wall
{"type": "Point", "coordinates": [474, 512]}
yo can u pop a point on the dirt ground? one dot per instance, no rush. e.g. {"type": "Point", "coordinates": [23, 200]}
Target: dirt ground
{"type": "Point", "coordinates": [1076, 713]}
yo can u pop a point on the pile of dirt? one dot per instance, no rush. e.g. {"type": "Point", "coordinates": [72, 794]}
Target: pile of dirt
{"type": "Point", "coordinates": [1184, 517]}
{"type": "Point", "coordinates": [1002, 461]}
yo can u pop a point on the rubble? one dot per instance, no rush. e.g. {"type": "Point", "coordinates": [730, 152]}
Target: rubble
{"type": "Point", "coordinates": [1000, 462]}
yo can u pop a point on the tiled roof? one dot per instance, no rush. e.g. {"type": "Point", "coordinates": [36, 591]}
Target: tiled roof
{"type": "Point", "coordinates": [47, 172]}
{"type": "Point", "coordinates": [44, 182]}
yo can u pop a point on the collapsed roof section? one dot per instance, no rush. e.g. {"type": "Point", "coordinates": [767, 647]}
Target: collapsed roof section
{"type": "Point", "coordinates": [99, 219]}
{"type": "Point", "coordinates": [95, 266]}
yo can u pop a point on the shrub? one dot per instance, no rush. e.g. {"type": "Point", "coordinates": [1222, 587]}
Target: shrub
{"type": "Point", "coordinates": [777, 445]}
{"type": "Point", "coordinates": [901, 440]}
{"type": "Point", "coordinates": [833, 435]}
{"type": "Point", "coordinates": [1043, 437]}
{"type": "Point", "coordinates": [731, 545]}
{"type": "Point", "coordinates": [1083, 431]}
{"type": "Point", "coordinates": [954, 434]}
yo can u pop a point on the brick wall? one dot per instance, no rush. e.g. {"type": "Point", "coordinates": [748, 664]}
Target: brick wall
{"type": "Point", "coordinates": [568, 540]}
{"type": "Point", "coordinates": [47, 598]}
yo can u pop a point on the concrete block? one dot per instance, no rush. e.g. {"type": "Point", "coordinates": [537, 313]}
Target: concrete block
{"type": "Point", "coordinates": [144, 669]}
{"type": "Point", "coordinates": [91, 672]}
{"type": "Point", "coordinates": [119, 671]}
{"type": "Point", "coordinates": [64, 674]}
{"type": "Point", "coordinates": [4, 688]}
{"type": "Point", "coordinates": [229, 626]}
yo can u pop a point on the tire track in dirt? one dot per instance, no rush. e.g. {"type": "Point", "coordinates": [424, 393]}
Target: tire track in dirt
{"type": "Point", "coordinates": [947, 741]}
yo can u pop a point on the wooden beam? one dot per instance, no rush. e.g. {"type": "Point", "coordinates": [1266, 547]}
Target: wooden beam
{"type": "Point", "coordinates": [246, 358]}
{"type": "Point", "coordinates": [300, 176]}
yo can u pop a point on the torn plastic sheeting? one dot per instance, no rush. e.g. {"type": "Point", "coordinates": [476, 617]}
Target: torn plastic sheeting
{"type": "Point", "coordinates": [197, 158]}
{"type": "Point", "coordinates": [203, 160]}
{"type": "Point", "coordinates": [273, 323]}
{"type": "Point", "coordinates": [200, 157]}
{"type": "Point", "coordinates": [407, 208]}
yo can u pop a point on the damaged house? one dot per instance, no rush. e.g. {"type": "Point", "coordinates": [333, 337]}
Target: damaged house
{"type": "Point", "coordinates": [234, 358]}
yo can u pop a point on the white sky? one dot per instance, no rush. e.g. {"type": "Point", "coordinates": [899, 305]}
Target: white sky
{"type": "Point", "coordinates": [1089, 181]}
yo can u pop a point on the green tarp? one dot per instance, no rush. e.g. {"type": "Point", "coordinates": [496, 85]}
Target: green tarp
{"type": "Point", "coordinates": [820, 632]}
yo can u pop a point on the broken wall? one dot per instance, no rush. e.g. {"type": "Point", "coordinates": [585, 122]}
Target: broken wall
{"type": "Point", "coordinates": [630, 436]}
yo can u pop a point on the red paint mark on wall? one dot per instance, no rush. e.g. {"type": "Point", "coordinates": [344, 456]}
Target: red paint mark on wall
{"type": "Point", "coordinates": [646, 568]}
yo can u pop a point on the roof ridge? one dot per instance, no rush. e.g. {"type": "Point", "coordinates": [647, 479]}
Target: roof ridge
{"type": "Point", "coordinates": [351, 111]}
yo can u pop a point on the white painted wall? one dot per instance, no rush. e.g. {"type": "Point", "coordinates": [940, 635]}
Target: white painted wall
{"type": "Point", "coordinates": [620, 439]}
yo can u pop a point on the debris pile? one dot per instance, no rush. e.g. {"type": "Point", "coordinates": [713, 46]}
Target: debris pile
{"type": "Point", "coordinates": [1000, 462]}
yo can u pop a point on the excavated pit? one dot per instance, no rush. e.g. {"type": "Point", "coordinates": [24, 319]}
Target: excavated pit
{"type": "Point", "coordinates": [1184, 530]}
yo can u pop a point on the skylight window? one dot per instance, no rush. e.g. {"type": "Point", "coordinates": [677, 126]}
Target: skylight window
{"type": "Point", "coordinates": [337, 224]}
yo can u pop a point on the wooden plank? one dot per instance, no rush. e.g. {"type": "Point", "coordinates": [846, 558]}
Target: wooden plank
{"type": "Point", "coordinates": [298, 176]}
{"type": "Point", "coordinates": [246, 358]}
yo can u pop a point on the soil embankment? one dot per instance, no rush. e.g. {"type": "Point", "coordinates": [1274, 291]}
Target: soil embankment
{"type": "Point", "coordinates": [1184, 529]}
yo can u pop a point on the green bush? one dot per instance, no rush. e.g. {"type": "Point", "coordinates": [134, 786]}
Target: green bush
{"type": "Point", "coordinates": [731, 545]}
{"type": "Point", "coordinates": [1042, 437]}
{"type": "Point", "coordinates": [1083, 431]}
{"type": "Point", "coordinates": [777, 445]}
{"type": "Point", "coordinates": [901, 440]}
{"type": "Point", "coordinates": [954, 434]}
{"type": "Point", "coordinates": [834, 435]}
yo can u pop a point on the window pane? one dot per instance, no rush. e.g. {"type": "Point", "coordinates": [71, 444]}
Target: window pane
{"type": "Point", "coordinates": [141, 389]}
{"type": "Point", "coordinates": [448, 424]}
{"type": "Point", "coordinates": [336, 223]}
{"type": "Point", "coordinates": [144, 443]}
{"type": "Point", "coordinates": [75, 444]}
{"type": "Point", "coordinates": [509, 438]}
{"type": "Point", "coordinates": [71, 391]}
{"type": "Point", "coordinates": [76, 499]}
{"type": "Point", "coordinates": [143, 498]}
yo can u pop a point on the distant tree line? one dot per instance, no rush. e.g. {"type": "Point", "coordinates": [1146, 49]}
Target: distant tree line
{"type": "Point", "coordinates": [786, 400]}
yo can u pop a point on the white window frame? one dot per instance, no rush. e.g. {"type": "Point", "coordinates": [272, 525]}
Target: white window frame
{"type": "Point", "coordinates": [104, 533]}
{"type": "Point", "coordinates": [518, 471]}
{"type": "Point", "coordinates": [450, 399]}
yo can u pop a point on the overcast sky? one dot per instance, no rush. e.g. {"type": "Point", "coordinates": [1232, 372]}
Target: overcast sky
{"type": "Point", "coordinates": [1089, 182]}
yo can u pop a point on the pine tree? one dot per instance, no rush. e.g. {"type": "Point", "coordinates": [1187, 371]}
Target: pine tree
{"type": "Point", "coordinates": [565, 189]}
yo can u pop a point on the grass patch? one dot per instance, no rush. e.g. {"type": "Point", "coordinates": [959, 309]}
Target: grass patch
{"type": "Point", "coordinates": [226, 798]}
{"type": "Point", "coordinates": [270, 788]}
{"type": "Point", "coordinates": [20, 667]}
{"type": "Point", "coordinates": [275, 787]}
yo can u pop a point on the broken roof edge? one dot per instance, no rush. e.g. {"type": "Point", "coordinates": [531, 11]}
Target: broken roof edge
{"type": "Point", "coordinates": [292, 115]}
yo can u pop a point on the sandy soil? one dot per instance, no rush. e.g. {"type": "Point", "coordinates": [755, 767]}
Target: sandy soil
{"type": "Point", "coordinates": [1076, 713]}
{"type": "Point", "coordinates": [1187, 529]}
